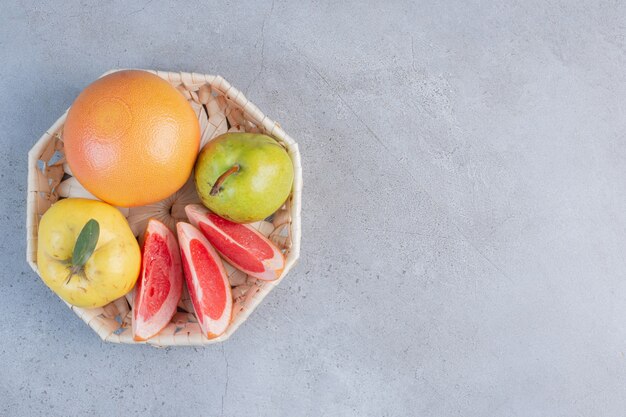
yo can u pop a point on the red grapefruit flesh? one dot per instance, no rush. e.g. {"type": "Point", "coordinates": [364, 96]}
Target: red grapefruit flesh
{"type": "Point", "coordinates": [207, 281]}
{"type": "Point", "coordinates": [160, 285]}
{"type": "Point", "coordinates": [240, 244]}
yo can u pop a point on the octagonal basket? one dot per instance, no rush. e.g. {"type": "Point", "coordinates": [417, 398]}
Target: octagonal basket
{"type": "Point", "coordinates": [220, 108]}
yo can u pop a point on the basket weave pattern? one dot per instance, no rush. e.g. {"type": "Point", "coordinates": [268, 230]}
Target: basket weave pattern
{"type": "Point", "coordinates": [220, 108]}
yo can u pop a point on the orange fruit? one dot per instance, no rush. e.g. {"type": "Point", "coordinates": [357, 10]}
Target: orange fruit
{"type": "Point", "coordinates": [131, 138]}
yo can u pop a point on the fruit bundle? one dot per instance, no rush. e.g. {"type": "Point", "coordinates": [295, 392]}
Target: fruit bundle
{"type": "Point", "coordinates": [188, 212]}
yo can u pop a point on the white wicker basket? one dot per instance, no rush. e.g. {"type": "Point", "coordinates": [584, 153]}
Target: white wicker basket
{"type": "Point", "coordinates": [220, 108]}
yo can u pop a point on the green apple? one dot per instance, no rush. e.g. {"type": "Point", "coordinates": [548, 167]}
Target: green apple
{"type": "Point", "coordinates": [243, 177]}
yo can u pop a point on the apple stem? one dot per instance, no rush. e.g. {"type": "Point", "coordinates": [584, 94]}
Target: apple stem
{"type": "Point", "coordinates": [222, 178]}
{"type": "Point", "coordinates": [74, 270]}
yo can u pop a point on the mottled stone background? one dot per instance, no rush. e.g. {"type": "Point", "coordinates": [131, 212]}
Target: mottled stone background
{"type": "Point", "coordinates": [464, 208]}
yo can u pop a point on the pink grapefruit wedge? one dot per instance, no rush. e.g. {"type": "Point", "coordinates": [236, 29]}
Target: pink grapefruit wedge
{"type": "Point", "coordinates": [207, 281]}
{"type": "Point", "coordinates": [160, 285]}
{"type": "Point", "coordinates": [240, 244]}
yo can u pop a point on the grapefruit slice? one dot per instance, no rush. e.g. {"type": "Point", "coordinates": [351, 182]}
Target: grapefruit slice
{"type": "Point", "coordinates": [160, 285]}
{"type": "Point", "coordinates": [240, 244]}
{"type": "Point", "coordinates": [207, 281]}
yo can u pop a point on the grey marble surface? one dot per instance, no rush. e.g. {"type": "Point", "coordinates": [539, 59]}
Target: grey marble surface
{"type": "Point", "coordinates": [464, 209]}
